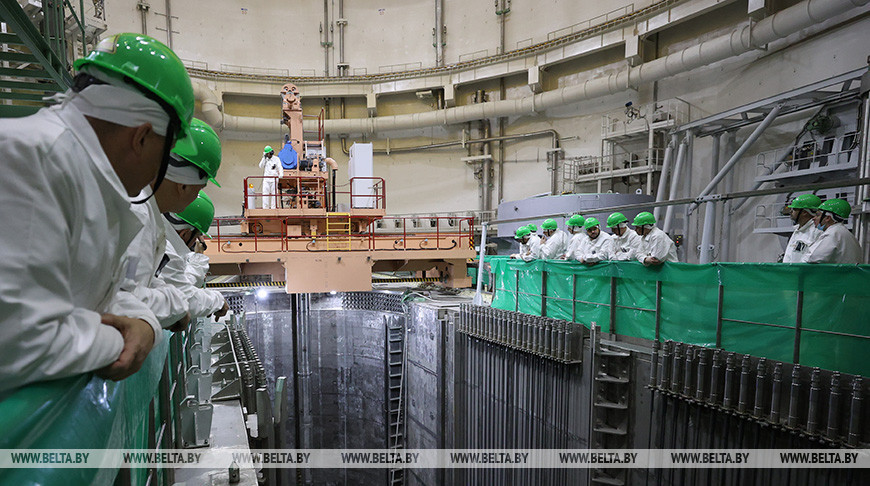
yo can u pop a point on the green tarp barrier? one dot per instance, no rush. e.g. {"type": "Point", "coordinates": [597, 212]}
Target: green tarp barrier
{"type": "Point", "coordinates": [81, 412]}
{"type": "Point", "coordinates": [760, 303]}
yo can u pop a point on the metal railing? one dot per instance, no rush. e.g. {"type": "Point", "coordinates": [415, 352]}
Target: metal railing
{"type": "Point", "coordinates": [831, 153]}
{"type": "Point", "coordinates": [264, 71]}
{"type": "Point", "coordinates": [605, 20]}
{"type": "Point", "coordinates": [774, 216]}
{"type": "Point", "coordinates": [320, 132]}
{"type": "Point", "coordinates": [398, 68]}
{"type": "Point", "coordinates": [637, 119]}
{"type": "Point", "coordinates": [585, 169]}
{"type": "Point", "coordinates": [523, 50]}
{"type": "Point", "coordinates": [444, 233]}
{"type": "Point", "coordinates": [408, 237]}
{"type": "Point", "coordinates": [293, 193]}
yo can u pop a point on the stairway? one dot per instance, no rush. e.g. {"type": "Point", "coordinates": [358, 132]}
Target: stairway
{"type": "Point", "coordinates": [338, 232]}
{"type": "Point", "coordinates": [611, 372]}
{"type": "Point", "coordinates": [33, 64]}
{"type": "Point", "coordinates": [395, 367]}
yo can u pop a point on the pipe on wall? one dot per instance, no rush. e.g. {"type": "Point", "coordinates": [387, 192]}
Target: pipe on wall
{"type": "Point", "coordinates": [738, 41]}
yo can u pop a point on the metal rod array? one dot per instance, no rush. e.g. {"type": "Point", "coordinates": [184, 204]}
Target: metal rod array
{"type": "Point", "coordinates": [518, 386]}
{"type": "Point", "coordinates": [549, 338]}
{"type": "Point", "coordinates": [373, 301]}
{"type": "Point", "coordinates": [705, 398]}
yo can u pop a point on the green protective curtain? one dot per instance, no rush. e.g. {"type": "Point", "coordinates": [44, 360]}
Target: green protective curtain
{"type": "Point", "coordinates": [759, 307]}
{"type": "Point", "coordinates": [81, 412]}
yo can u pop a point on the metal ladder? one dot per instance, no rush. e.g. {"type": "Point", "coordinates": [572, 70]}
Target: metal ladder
{"type": "Point", "coordinates": [395, 371]}
{"type": "Point", "coordinates": [609, 416]}
{"type": "Point", "coordinates": [338, 231]}
{"type": "Point", "coordinates": [33, 64]}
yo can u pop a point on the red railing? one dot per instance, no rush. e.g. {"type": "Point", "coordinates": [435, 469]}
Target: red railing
{"type": "Point", "coordinates": [291, 192]}
{"type": "Point", "coordinates": [462, 234]}
{"type": "Point", "coordinates": [376, 199]}
{"type": "Point", "coordinates": [320, 132]}
{"type": "Point", "coordinates": [426, 236]}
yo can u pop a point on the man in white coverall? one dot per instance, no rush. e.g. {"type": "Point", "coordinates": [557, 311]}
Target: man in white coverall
{"type": "Point", "coordinates": [626, 243]}
{"type": "Point", "coordinates": [69, 172]}
{"type": "Point", "coordinates": [188, 172]}
{"type": "Point", "coordinates": [186, 269]}
{"type": "Point", "coordinates": [656, 247]}
{"type": "Point", "coordinates": [530, 245]}
{"type": "Point", "coordinates": [803, 212]}
{"type": "Point", "coordinates": [578, 235]}
{"type": "Point", "coordinates": [597, 247]}
{"type": "Point", "coordinates": [557, 240]}
{"type": "Point", "coordinates": [837, 244]}
{"type": "Point", "coordinates": [272, 169]}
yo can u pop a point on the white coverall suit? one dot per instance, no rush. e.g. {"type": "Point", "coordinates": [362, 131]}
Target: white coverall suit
{"type": "Point", "coordinates": [800, 242]}
{"type": "Point", "coordinates": [68, 223]}
{"type": "Point", "coordinates": [597, 250]}
{"type": "Point", "coordinates": [555, 245]}
{"type": "Point", "coordinates": [657, 244]}
{"type": "Point", "coordinates": [836, 245]}
{"type": "Point", "coordinates": [531, 250]}
{"type": "Point", "coordinates": [625, 247]}
{"type": "Point", "coordinates": [574, 243]}
{"type": "Point", "coordinates": [272, 168]}
{"type": "Point", "coordinates": [146, 255]}
{"type": "Point", "coordinates": [186, 271]}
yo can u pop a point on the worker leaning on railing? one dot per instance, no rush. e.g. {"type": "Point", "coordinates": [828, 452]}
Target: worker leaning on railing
{"type": "Point", "coordinates": [648, 244]}
{"type": "Point", "coordinates": [555, 242]}
{"type": "Point", "coordinates": [656, 247]}
{"type": "Point", "coordinates": [836, 244]}
{"type": "Point", "coordinates": [187, 268]}
{"type": "Point", "coordinates": [530, 245]}
{"type": "Point", "coordinates": [70, 171]}
{"type": "Point", "coordinates": [626, 243]}
{"type": "Point", "coordinates": [190, 169]}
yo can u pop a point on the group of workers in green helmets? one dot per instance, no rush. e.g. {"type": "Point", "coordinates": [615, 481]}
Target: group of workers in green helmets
{"type": "Point", "coordinates": [820, 236]}
{"type": "Point", "coordinates": [588, 244]}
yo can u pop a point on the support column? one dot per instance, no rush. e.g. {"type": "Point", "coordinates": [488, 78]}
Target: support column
{"type": "Point", "coordinates": [675, 184]}
{"type": "Point", "coordinates": [706, 255]}
{"type": "Point", "coordinates": [725, 234]}
{"type": "Point", "coordinates": [663, 176]}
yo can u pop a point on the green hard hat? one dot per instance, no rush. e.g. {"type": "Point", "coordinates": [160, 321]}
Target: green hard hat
{"type": "Point", "coordinates": [522, 232]}
{"type": "Point", "coordinates": [643, 218]}
{"type": "Point", "coordinates": [199, 213]}
{"type": "Point", "coordinates": [806, 201]}
{"type": "Point", "coordinates": [837, 206]}
{"type": "Point", "coordinates": [267, 149]}
{"type": "Point", "coordinates": [207, 149]}
{"type": "Point", "coordinates": [616, 218]}
{"type": "Point", "coordinates": [151, 66]}
{"type": "Point", "coordinates": [575, 220]}
{"type": "Point", "coordinates": [590, 223]}
{"type": "Point", "coordinates": [532, 228]}
{"type": "Point", "coordinates": [550, 224]}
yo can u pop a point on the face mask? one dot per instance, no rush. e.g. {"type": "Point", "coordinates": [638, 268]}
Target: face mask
{"type": "Point", "coordinates": [820, 227]}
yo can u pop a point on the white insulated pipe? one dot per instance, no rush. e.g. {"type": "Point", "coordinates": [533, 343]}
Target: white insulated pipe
{"type": "Point", "coordinates": [739, 41]}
